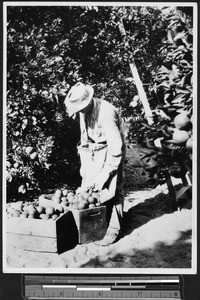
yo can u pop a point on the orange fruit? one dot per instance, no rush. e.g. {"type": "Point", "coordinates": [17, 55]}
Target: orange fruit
{"type": "Point", "coordinates": [63, 198]}
{"type": "Point", "coordinates": [180, 136]}
{"type": "Point", "coordinates": [33, 155]}
{"type": "Point", "coordinates": [85, 195]}
{"type": "Point", "coordinates": [189, 143]}
{"type": "Point", "coordinates": [54, 217]}
{"type": "Point", "coordinates": [70, 199]}
{"type": "Point", "coordinates": [181, 120]}
{"type": "Point", "coordinates": [58, 193]}
{"type": "Point", "coordinates": [82, 205]}
{"type": "Point", "coordinates": [56, 199]}
{"type": "Point", "coordinates": [24, 215]}
{"type": "Point", "coordinates": [29, 150]}
{"type": "Point", "coordinates": [65, 192]}
{"type": "Point", "coordinates": [16, 213]}
{"type": "Point", "coordinates": [44, 217]}
{"type": "Point", "coordinates": [70, 194]}
{"type": "Point", "coordinates": [92, 205]}
{"type": "Point", "coordinates": [136, 98]}
{"type": "Point", "coordinates": [31, 216]}
{"type": "Point", "coordinates": [60, 208]}
{"type": "Point", "coordinates": [92, 200]}
{"type": "Point", "coordinates": [50, 210]}
{"type": "Point", "coordinates": [40, 209]}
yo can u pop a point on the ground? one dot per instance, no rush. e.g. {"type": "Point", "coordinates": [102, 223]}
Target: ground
{"type": "Point", "coordinates": [153, 234]}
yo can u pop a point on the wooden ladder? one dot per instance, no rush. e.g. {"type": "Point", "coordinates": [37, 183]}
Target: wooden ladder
{"type": "Point", "coordinates": [185, 189]}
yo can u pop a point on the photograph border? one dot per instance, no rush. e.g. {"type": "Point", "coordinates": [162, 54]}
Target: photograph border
{"type": "Point", "coordinates": [193, 269]}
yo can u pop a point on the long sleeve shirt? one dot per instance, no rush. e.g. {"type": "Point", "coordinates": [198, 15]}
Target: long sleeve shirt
{"type": "Point", "coordinates": [104, 125]}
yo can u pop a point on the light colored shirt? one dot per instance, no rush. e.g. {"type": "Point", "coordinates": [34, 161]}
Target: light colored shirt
{"type": "Point", "coordinates": [104, 125]}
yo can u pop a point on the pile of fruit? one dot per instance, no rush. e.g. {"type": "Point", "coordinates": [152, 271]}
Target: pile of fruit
{"type": "Point", "coordinates": [60, 202]}
{"type": "Point", "coordinates": [33, 210]}
{"type": "Point", "coordinates": [83, 200]}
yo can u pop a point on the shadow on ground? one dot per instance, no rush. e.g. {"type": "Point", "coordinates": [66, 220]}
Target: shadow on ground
{"type": "Point", "coordinates": [142, 213]}
{"type": "Point", "coordinates": [177, 255]}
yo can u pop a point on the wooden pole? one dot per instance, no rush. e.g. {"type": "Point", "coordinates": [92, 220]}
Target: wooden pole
{"type": "Point", "coordinates": [136, 76]}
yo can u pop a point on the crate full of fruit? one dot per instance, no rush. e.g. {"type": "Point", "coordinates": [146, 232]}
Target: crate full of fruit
{"type": "Point", "coordinates": [89, 215]}
{"type": "Point", "coordinates": [31, 226]}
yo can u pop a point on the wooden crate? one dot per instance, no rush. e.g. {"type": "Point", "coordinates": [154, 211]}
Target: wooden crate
{"type": "Point", "coordinates": [43, 235]}
{"type": "Point", "coordinates": [91, 224]}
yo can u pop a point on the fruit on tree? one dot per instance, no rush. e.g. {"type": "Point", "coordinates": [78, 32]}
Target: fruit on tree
{"type": "Point", "coordinates": [136, 98]}
{"type": "Point", "coordinates": [181, 121]}
{"type": "Point", "coordinates": [33, 155]}
{"type": "Point", "coordinates": [189, 143]}
{"type": "Point", "coordinates": [29, 150]}
{"type": "Point", "coordinates": [180, 136]}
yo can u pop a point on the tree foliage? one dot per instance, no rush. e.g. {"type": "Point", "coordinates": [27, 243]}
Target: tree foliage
{"type": "Point", "coordinates": [52, 47]}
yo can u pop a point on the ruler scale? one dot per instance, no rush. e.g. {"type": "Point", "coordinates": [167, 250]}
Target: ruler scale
{"type": "Point", "coordinates": [56, 287]}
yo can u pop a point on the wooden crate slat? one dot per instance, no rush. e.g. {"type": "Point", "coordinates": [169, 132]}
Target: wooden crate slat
{"type": "Point", "coordinates": [32, 243]}
{"type": "Point", "coordinates": [36, 227]}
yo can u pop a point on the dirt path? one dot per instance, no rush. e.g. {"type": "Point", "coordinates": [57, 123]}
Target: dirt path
{"type": "Point", "coordinates": [153, 235]}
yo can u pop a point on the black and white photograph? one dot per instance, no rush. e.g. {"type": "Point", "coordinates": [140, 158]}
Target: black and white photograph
{"type": "Point", "coordinates": [100, 137]}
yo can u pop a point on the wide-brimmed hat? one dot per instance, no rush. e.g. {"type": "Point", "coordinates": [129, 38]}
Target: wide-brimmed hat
{"type": "Point", "coordinates": [79, 97]}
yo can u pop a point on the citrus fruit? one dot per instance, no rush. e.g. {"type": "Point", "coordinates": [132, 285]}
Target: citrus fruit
{"type": "Point", "coordinates": [24, 215]}
{"type": "Point", "coordinates": [40, 209]}
{"type": "Point", "coordinates": [44, 217]}
{"type": "Point", "coordinates": [65, 192]}
{"type": "Point", "coordinates": [31, 216]}
{"type": "Point", "coordinates": [64, 202]}
{"type": "Point", "coordinates": [58, 193]}
{"type": "Point", "coordinates": [60, 208]}
{"type": "Point", "coordinates": [70, 194]}
{"type": "Point", "coordinates": [29, 150]}
{"type": "Point", "coordinates": [180, 136]}
{"type": "Point", "coordinates": [33, 155]}
{"type": "Point", "coordinates": [54, 217]}
{"type": "Point", "coordinates": [50, 210]}
{"type": "Point", "coordinates": [82, 205]}
{"type": "Point", "coordinates": [181, 121]}
{"type": "Point", "coordinates": [85, 195]}
{"type": "Point", "coordinates": [56, 199]}
{"type": "Point", "coordinates": [136, 98]}
{"type": "Point", "coordinates": [92, 200]}
{"type": "Point", "coordinates": [63, 198]}
{"type": "Point", "coordinates": [70, 199]}
{"type": "Point", "coordinates": [16, 213]}
{"type": "Point", "coordinates": [189, 143]}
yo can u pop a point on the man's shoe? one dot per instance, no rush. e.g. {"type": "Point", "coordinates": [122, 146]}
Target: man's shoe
{"type": "Point", "coordinates": [110, 238]}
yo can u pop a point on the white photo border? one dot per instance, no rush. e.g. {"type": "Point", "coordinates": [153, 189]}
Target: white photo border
{"type": "Point", "coordinates": [193, 269]}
